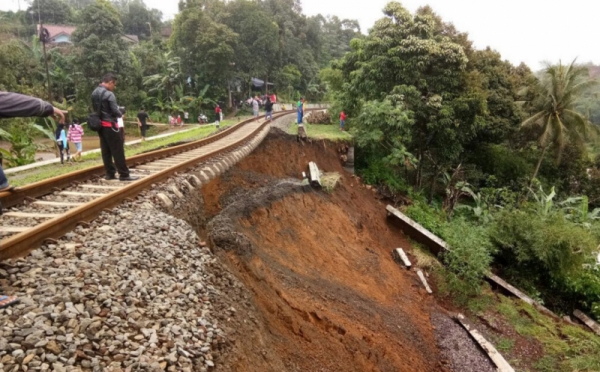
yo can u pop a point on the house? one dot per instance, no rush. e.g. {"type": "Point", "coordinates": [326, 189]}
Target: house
{"type": "Point", "coordinates": [61, 35]}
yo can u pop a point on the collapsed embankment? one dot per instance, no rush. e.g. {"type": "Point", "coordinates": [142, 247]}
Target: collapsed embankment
{"type": "Point", "coordinates": [321, 291]}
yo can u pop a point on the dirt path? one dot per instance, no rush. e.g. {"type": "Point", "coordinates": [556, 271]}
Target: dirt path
{"type": "Point", "coordinates": [325, 294]}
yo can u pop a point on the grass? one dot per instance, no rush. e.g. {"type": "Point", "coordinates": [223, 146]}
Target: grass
{"type": "Point", "coordinates": [91, 160]}
{"type": "Point", "coordinates": [329, 132]}
{"type": "Point", "coordinates": [329, 180]}
{"type": "Point", "coordinates": [566, 347]}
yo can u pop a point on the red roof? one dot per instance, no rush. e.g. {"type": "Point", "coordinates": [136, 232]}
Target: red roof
{"type": "Point", "coordinates": [56, 30]}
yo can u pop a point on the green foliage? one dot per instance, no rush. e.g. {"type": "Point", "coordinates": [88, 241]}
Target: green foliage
{"type": "Point", "coordinates": [470, 255]}
{"type": "Point", "coordinates": [22, 149]}
{"type": "Point", "coordinates": [556, 122]}
{"type": "Point", "coordinates": [380, 173]}
{"type": "Point", "coordinates": [100, 47]}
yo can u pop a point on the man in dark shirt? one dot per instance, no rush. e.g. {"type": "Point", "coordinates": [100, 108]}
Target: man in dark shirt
{"type": "Point", "coordinates": [111, 142]}
{"type": "Point", "coordinates": [142, 117]}
{"type": "Point", "coordinates": [14, 105]}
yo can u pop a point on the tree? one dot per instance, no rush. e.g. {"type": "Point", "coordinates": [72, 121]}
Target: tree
{"type": "Point", "coordinates": [138, 20]}
{"type": "Point", "coordinates": [556, 120]}
{"type": "Point", "coordinates": [50, 12]}
{"type": "Point", "coordinates": [423, 62]}
{"type": "Point", "coordinates": [99, 47]}
{"type": "Point", "coordinates": [205, 46]}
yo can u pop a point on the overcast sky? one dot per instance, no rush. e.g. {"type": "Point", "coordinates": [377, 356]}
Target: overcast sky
{"type": "Point", "coordinates": [529, 31]}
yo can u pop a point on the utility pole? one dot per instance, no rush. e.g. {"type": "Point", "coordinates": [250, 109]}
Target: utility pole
{"type": "Point", "coordinates": [43, 38]}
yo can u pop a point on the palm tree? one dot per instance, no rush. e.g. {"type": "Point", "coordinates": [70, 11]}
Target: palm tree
{"type": "Point", "coordinates": [556, 118]}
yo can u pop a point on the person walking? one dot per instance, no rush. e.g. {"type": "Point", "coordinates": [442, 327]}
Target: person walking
{"type": "Point", "coordinates": [342, 120]}
{"type": "Point", "coordinates": [111, 143]}
{"type": "Point", "coordinates": [142, 116]}
{"type": "Point", "coordinates": [255, 107]}
{"type": "Point", "coordinates": [61, 141]}
{"type": "Point", "coordinates": [217, 116]}
{"type": "Point", "coordinates": [179, 121]}
{"type": "Point", "coordinates": [186, 117]}
{"type": "Point", "coordinates": [13, 105]}
{"type": "Point", "coordinates": [269, 109]}
{"type": "Point", "coordinates": [75, 135]}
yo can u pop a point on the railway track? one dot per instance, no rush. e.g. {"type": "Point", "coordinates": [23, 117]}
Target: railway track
{"type": "Point", "coordinates": [50, 208]}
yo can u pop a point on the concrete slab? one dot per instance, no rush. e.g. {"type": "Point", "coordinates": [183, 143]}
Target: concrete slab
{"type": "Point", "coordinates": [424, 281]}
{"type": "Point", "coordinates": [491, 351]}
{"type": "Point", "coordinates": [401, 257]}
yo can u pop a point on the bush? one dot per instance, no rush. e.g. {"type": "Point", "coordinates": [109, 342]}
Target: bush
{"type": "Point", "coordinates": [468, 259]}
{"type": "Point", "coordinates": [550, 245]}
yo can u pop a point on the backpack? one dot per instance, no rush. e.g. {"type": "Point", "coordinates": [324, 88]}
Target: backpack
{"type": "Point", "coordinates": [93, 119]}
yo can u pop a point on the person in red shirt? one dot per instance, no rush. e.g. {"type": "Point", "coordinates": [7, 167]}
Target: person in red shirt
{"type": "Point", "coordinates": [217, 116]}
{"type": "Point", "coordinates": [342, 120]}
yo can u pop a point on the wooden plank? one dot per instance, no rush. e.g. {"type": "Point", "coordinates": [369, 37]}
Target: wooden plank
{"type": "Point", "coordinates": [401, 257]}
{"type": "Point", "coordinates": [100, 187]}
{"type": "Point", "coordinates": [30, 215]}
{"type": "Point", "coordinates": [13, 229]}
{"type": "Point", "coordinates": [424, 281]}
{"type": "Point", "coordinates": [57, 204]}
{"type": "Point", "coordinates": [587, 321]}
{"type": "Point", "coordinates": [490, 350]}
{"type": "Point", "coordinates": [75, 193]}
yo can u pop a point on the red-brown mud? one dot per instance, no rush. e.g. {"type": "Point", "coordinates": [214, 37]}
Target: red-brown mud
{"type": "Point", "coordinates": [325, 293]}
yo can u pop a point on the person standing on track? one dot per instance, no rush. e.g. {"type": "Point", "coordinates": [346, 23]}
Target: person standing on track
{"type": "Point", "coordinates": [300, 108]}
{"type": "Point", "coordinates": [269, 109]}
{"type": "Point", "coordinates": [142, 116]}
{"type": "Point", "coordinates": [13, 105]}
{"type": "Point", "coordinates": [255, 107]}
{"type": "Point", "coordinates": [111, 143]}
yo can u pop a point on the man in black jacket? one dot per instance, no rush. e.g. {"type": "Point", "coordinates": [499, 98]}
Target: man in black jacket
{"type": "Point", "coordinates": [17, 105]}
{"type": "Point", "coordinates": [14, 105]}
{"type": "Point", "coordinates": [111, 143]}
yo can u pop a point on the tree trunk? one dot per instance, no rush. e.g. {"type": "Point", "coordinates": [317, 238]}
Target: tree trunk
{"type": "Point", "coordinates": [229, 104]}
{"type": "Point", "coordinates": [537, 167]}
{"type": "Point", "coordinates": [432, 187]}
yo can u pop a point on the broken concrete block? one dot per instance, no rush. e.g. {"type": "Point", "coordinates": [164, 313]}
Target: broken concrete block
{"type": "Point", "coordinates": [424, 281]}
{"type": "Point", "coordinates": [401, 257]}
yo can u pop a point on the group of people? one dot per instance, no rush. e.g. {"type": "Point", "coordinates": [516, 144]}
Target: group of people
{"type": "Point", "coordinates": [301, 105]}
{"type": "Point", "coordinates": [269, 101]}
{"type": "Point", "coordinates": [73, 134]}
{"type": "Point", "coordinates": [177, 120]}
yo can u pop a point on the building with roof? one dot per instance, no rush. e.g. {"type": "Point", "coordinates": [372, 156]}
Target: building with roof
{"type": "Point", "coordinates": [61, 35]}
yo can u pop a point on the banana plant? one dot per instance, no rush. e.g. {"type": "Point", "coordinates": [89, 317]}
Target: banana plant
{"type": "Point", "coordinates": [577, 210]}
{"type": "Point", "coordinates": [544, 202]}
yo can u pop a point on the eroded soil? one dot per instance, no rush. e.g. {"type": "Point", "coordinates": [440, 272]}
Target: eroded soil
{"type": "Point", "coordinates": [322, 290]}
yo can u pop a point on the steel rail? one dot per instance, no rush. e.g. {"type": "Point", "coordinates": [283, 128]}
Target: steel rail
{"type": "Point", "coordinates": [22, 243]}
{"type": "Point", "coordinates": [48, 186]}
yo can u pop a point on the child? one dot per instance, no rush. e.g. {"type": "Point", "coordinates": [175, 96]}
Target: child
{"type": "Point", "coordinates": [75, 135]}
{"type": "Point", "coordinates": [342, 120]}
{"type": "Point", "coordinates": [179, 121]}
{"type": "Point", "coordinates": [61, 141]}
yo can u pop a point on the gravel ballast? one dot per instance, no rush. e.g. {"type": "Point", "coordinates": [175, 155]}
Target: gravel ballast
{"type": "Point", "coordinates": [128, 292]}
